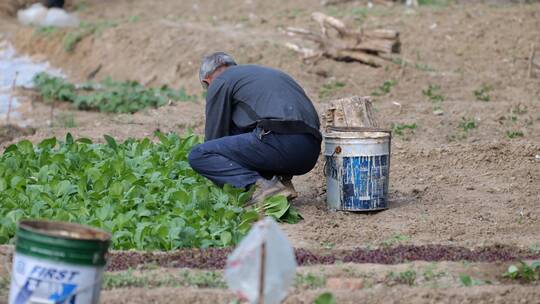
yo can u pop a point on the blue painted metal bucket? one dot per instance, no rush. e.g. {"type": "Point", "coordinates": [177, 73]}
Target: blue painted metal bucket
{"type": "Point", "coordinates": [357, 168]}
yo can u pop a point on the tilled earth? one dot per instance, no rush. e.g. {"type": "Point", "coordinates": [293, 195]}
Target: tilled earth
{"type": "Point", "coordinates": [453, 188]}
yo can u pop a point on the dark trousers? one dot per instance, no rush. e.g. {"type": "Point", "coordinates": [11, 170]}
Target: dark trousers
{"type": "Point", "coordinates": [240, 160]}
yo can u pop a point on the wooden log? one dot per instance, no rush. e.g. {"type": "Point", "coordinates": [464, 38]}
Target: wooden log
{"type": "Point", "coordinates": [325, 20]}
{"type": "Point", "coordinates": [366, 58]}
{"type": "Point", "coordinates": [306, 52]}
{"type": "Point", "coordinates": [379, 46]}
{"type": "Point", "coordinates": [350, 112]}
{"type": "Point", "coordinates": [381, 34]}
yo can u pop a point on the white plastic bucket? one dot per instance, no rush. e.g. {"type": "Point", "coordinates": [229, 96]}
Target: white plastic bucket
{"type": "Point", "coordinates": [357, 168]}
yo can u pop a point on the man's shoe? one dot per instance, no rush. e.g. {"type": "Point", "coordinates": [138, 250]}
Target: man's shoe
{"type": "Point", "coordinates": [287, 182]}
{"type": "Point", "coordinates": [265, 188]}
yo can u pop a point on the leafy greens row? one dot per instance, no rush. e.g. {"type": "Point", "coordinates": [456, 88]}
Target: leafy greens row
{"type": "Point", "coordinates": [107, 96]}
{"type": "Point", "coordinates": [144, 193]}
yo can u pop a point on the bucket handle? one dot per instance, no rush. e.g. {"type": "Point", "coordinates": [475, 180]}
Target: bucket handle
{"type": "Point", "coordinates": [337, 150]}
{"type": "Point", "coordinates": [79, 290]}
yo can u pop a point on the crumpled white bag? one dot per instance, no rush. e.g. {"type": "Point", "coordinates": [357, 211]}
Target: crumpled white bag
{"type": "Point", "coordinates": [243, 265]}
{"type": "Point", "coordinates": [39, 15]}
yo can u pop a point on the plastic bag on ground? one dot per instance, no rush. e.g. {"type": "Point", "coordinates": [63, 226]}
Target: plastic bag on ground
{"type": "Point", "coordinates": [243, 265]}
{"type": "Point", "coordinates": [39, 15]}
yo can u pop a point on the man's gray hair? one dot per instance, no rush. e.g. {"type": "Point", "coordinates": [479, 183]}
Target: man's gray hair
{"type": "Point", "coordinates": [213, 62]}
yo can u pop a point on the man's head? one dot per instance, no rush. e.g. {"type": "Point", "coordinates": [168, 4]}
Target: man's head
{"type": "Point", "coordinates": [212, 65]}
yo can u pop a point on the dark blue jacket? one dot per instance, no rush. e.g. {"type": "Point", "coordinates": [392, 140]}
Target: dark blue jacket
{"type": "Point", "coordinates": [244, 97]}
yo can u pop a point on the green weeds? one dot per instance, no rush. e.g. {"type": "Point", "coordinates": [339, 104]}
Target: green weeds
{"type": "Point", "coordinates": [464, 126]}
{"type": "Point", "coordinates": [433, 93]}
{"type": "Point", "coordinates": [309, 281]}
{"type": "Point", "coordinates": [467, 124]}
{"type": "Point", "coordinates": [482, 94]}
{"type": "Point", "coordinates": [328, 245]}
{"type": "Point", "coordinates": [407, 277]}
{"type": "Point", "coordinates": [328, 89]}
{"type": "Point", "coordinates": [524, 272]}
{"type": "Point", "coordinates": [401, 129]}
{"type": "Point", "coordinates": [85, 29]}
{"type": "Point", "coordinates": [517, 111]}
{"type": "Point", "coordinates": [468, 281]}
{"type": "Point", "coordinates": [325, 298]}
{"type": "Point", "coordinates": [514, 134]}
{"type": "Point", "coordinates": [430, 274]}
{"type": "Point", "coordinates": [109, 95]}
{"type": "Point", "coordinates": [385, 88]}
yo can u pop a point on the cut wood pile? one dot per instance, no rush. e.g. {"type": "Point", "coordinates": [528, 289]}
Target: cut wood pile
{"type": "Point", "coordinates": [339, 42]}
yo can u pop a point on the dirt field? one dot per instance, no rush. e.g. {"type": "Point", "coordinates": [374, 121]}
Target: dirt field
{"type": "Point", "coordinates": [450, 184]}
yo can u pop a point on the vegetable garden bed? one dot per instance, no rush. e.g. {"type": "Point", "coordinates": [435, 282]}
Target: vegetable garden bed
{"type": "Point", "coordinates": [144, 193]}
{"type": "Point", "coordinates": [107, 96]}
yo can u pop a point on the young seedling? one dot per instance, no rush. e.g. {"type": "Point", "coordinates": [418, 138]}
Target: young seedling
{"type": "Point", "coordinates": [514, 134]}
{"type": "Point", "coordinates": [407, 277]}
{"type": "Point", "coordinates": [467, 281]}
{"type": "Point", "coordinates": [433, 93]}
{"type": "Point", "coordinates": [385, 88]}
{"type": "Point", "coordinates": [430, 273]}
{"type": "Point", "coordinates": [524, 272]}
{"type": "Point", "coordinates": [482, 94]}
{"type": "Point", "coordinates": [517, 111]}
{"type": "Point", "coordinates": [330, 88]}
{"type": "Point", "coordinates": [400, 129]}
{"type": "Point", "coordinates": [467, 124]}
{"type": "Point", "coordinates": [309, 281]}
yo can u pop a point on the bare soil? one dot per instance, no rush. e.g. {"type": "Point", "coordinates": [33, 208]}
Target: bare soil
{"type": "Point", "coordinates": [448, 186]}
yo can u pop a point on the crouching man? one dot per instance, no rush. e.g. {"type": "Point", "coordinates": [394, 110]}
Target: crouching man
{"type": "Point", "coordinates": [261, 128]}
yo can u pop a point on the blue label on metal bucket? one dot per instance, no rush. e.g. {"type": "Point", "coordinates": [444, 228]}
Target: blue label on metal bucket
{"type": "Point", "coordinates": [365, 182]}
{"type": "Point", "coordinates": [36, 280]}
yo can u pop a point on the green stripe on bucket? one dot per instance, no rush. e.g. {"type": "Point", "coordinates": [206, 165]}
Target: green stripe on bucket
{"type": "Point", "coordinates": [34, 239]}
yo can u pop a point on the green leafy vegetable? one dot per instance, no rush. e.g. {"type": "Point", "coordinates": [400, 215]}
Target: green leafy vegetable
{"type": "Point", "coordinates": [524, 272]}
{"type": "Point", "coordinates": [108, 96]}
{"type": "Point", "coordinates": [144, 193]}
